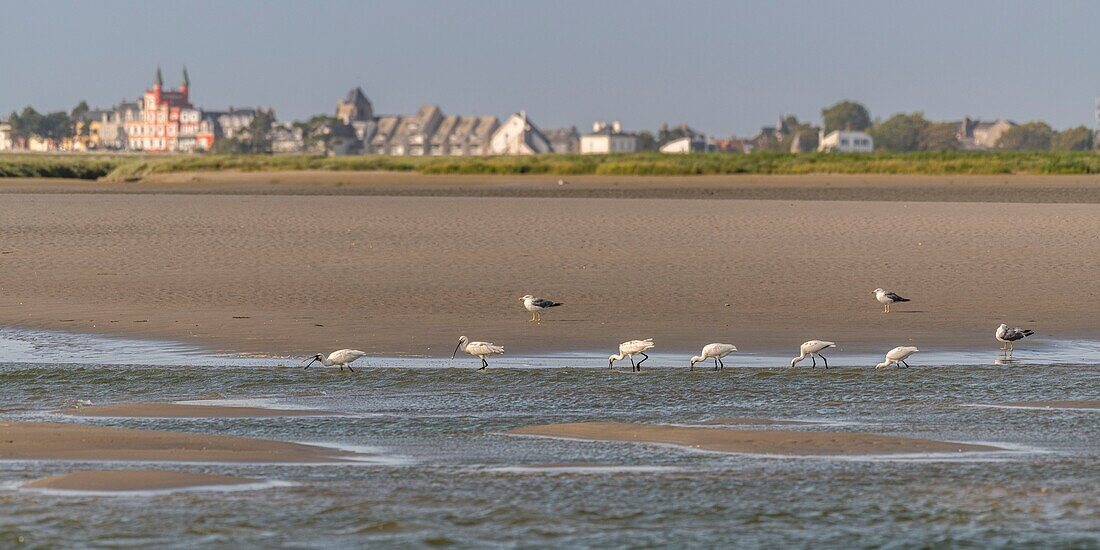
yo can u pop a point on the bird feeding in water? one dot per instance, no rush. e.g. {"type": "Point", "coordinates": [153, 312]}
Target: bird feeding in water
{"type": "Point", "coordinates": [536, 305]}
{"type": "Point", "coordinates": [477, 349]}
{"type": "Point", "coordinates": [897, 355]}
{"type": "Point", "coordinates": [812, 348]}
{"type": "Point", "coordinates": [342, 357]}
{"type": "Point", "coordinates": [885, 297]}
{"type": "Point", "coordinates": [630, 349]}
{"type": "Point", "coordinates": [714, 351]}
{"type": "Point", "coordinates": [1007, 336]}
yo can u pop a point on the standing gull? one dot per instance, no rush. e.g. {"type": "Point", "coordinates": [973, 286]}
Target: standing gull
{"type": "Point", "coordinates": [897, 355]}
{"type": "Point", "coordinates": [1007, 336]}
{"type": "Point", "coordinates": [812, 348]}
{"type": "Point", "coordinates": [630, 349]}
{"type": "Point", "coordinates": [343, 357]}
{"type": "Point", "coordinates": [714, 351]}
{"type": "Point", "coordinates": [886, 298]}
{"type": "Point", "coordinates": [536, 305]}
{"type": "Point", "coordinates": [477, 349]}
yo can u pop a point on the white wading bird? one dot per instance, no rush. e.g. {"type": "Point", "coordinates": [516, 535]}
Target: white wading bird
{"type": "Point", "coordinates": [897, 355]}
{"type": "Point", "coordinates": [630, 349]}
{"type": "Point", "coordinates": [886, 298]}
{"type": "Point", "coordinates": [477, 349]}
{"type": "Point", "coordinates": [536, 305]}
{"type": "Point", "coordinates": [714, 351]}
{"type": "Point", "coordinates": [342, 357]}
{"type": "Point", "coordinates": [1007, 336]}
{"type": "Point", "coordinates": [812, 348]}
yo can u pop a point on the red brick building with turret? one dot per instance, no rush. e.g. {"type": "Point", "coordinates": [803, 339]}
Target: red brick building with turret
{"type": "Point", "coordinates": [161, 110]}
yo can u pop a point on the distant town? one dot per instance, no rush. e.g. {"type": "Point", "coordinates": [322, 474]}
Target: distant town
{"type": "Point", "coordinates": [164, 120]}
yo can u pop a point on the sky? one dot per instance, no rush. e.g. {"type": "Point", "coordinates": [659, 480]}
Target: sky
{"type": "Point", "coordinates": [723, 67]}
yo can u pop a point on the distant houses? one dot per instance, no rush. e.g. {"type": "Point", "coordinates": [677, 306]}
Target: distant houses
{"type": "Point", "coordinates": [519, 136]}
{"type": "Point", "coordinates": [979, 135]}
{"type": "Point", "coordinates": [608, 138]}
{"type": "Point", "coordinates": [165, 120]}
{"type": "Point", "coordinates": [842, 141]}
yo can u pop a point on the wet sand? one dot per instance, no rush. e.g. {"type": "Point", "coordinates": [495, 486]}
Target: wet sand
{"type": "Point", "coordinates": [176, 410]}
{"type": "Point", "coordinates": [57, 441]}
{"type": "Point", "coordinates": [314, 262]}
{"type": "Point", "coordinates": [132, 480]}
{"type": "Point", "coordinates": [764, 442]}
{"type": "Point", "coordinates": [1074, 404]}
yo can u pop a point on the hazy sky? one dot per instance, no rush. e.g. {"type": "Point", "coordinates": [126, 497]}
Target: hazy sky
{"type": "Point", "coordinates": [723, 67]}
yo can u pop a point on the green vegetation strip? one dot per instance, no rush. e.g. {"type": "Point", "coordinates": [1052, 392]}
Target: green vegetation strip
{"type": "Point", "coordinates": [133, 168]}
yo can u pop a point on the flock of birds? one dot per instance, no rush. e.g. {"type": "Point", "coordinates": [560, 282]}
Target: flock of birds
{"type": "Point", "coordinates": [716, 351]}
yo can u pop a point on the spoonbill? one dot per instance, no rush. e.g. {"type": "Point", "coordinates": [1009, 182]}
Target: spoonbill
{"type": "Point", "coordinates": [812, 348]}
{"type": "Point", "coordinates": [885, 297]}
{"type": "Point", "coordinates": [1009, 335]}
{"type": "Point", "coordinates": [630, 349]}
{"type": "Point", "coordinates": [897, 355]}
{"type": "Point", "coordinates": [477, 349]}
{"type": "Point", "coordinates": [342, 357]}
{"type": "Point", "coordinates": [536, 305]}
{"type": "Point", "coordinates": [714, 351]}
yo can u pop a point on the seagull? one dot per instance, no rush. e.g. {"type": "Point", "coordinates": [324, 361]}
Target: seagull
{"type": "Point", "coordinates": [536, 305]}
{"type": "Point", "coordinates": [630, 349]}
{"type": "Point", "coordinates": [477, 349]}
{"type": "Point", "coordinates": [886, 298]}
{"type": "Point", "coordinates": [812, 348]}
{"type": "Point", "coordinates": [714, 351]}
{"type": "Point", "coordinates": [1010, 335]}
{"type": "Point", "coordinates": [342, 357]}
{"type": "Point", "coordinates": [896, 355]}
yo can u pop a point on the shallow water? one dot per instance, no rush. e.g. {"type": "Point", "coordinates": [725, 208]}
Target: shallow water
{"type": "Point", "coordinates": [447, 474]}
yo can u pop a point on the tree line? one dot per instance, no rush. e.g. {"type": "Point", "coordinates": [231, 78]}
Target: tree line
{"type": "Point", "coordinates": [912, 132]}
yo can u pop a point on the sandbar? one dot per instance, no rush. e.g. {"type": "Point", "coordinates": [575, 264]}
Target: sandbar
{"type": "Point", "coordinates": [764, 442]}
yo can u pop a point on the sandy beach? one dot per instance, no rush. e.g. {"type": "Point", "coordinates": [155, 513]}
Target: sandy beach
{"type": "Point", "coordinates": [765, 442]}
{"type": "Point", "coordinates": [399, 264]}
{"type": "Point", "coordinates": [84, 442]}
{"type": "Point", "coordinates": [177, 410]}
{"type": "Point", "coordinates": [132, 480]}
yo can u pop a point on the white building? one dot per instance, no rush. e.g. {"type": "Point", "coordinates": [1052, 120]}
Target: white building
{"type": "Point", "coordinates": [519, 136]}
{"type": "Point", "coordinates": [606, 139]}
{"type": "Point", "coordinates": [5, 136]}
{"type": "Point", "coordinates": [687, 144]}
{"type": "Point", "coordinates": [846, 142]}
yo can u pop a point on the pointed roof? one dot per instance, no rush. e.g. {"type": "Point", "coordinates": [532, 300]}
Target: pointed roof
{"type": "Point", "coordinates": [160, 78]}
{"type": "Point", "coordinates": [356, 95]}
{"type": "Point", "coordinates": [186, 78]}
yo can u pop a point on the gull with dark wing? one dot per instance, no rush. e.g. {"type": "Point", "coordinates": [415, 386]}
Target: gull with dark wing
{"type": "Point", "coordinates": [1007, 336]}
{"type": "Point", "coordinates": [536, 305]}
{"type": "Point", "coordinates": [885, 297]}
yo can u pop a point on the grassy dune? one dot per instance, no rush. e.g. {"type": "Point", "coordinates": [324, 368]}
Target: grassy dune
{"type": "Point", "coordinates": [129, 167]}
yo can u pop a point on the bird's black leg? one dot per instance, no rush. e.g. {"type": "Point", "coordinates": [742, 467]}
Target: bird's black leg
{"type": "Point", "coordinates": [642, 361]}
{"type": "Point", "coordinates": [904, 363]}
{"type": "Point", "coordinates": [633, 367]}
{"type": "Point", "coordinates": [720, 362]}
{"type": "Point", "coordinates": [484, 364]}
{"type": "Point", "coordinates": [826, 361]}
{"type": "Point", "coordinates": [351, 369]}
{"type": "Point", "coordinates": [715, 363]}
{"type": "Point", "coordinates": [814, 366]}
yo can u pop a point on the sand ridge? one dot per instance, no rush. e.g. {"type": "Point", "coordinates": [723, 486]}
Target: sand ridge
{"type": "Point", "coordinates": [763, 442]}
{"type": "Point", "coordinates": [62, 441]}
